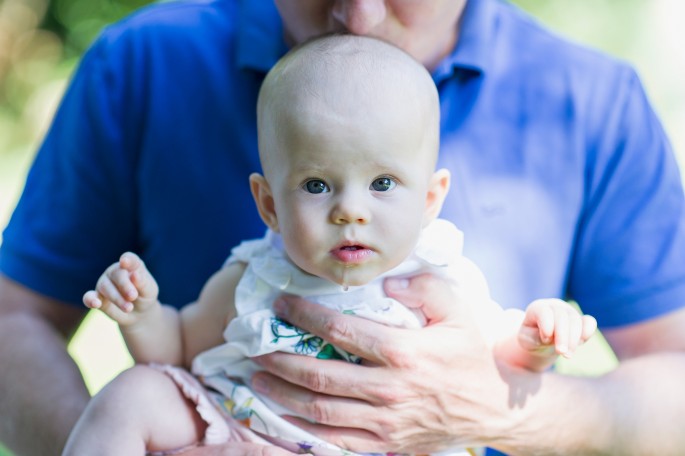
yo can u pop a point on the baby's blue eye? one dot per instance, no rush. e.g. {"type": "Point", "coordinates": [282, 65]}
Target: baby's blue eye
{"type": "Point", "coordinates": [316, 186]}
{"type": "Point", "coordinates": [383, 184]}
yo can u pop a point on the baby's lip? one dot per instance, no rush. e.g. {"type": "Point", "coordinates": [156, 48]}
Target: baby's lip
{"type": "Point", "coordinates": [351, 244]}
{"type": "Point", "coordinates": [351, 252]}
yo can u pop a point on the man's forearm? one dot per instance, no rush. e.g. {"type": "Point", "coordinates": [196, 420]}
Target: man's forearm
{"type": "Point", "coordinates": [635, 409]}
{"type": "Point", "coordinates": [42, 392]}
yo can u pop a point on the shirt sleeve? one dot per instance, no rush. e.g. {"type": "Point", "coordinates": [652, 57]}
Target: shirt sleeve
{"type": "Point", "coordinates": [629, 261]}
{"type": "Point", "coordinates": [77, 212]}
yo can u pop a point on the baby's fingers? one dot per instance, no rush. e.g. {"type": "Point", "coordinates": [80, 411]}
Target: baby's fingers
{"type": "Point", "coordinates": [567, 338]}
{"type": "Point", "coordinates": [141, 279]}
{"type": "Point", "coordinates": [116, 288]}
{"type": "Point", "coordinates": [589, 327]}
{"type": "Point", "coordinates": [121, 280]}
{"type": "Point", "coordinates": [130, 262]}
{"type": "Point", "coordinates": [563, 330]}
{"type": "Point", "coordinates": [91, 299]}
{"type": "Point", "coordinates": [579, 329]}
{"type": "Point", "coordinates": [540, 317]}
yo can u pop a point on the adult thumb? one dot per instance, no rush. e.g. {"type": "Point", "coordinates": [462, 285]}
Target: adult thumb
{"type": "Point", "coordinates": [437, 298]}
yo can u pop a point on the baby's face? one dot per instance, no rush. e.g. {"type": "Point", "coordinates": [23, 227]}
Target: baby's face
{"type": "Point", "coordinates": [350, 191]}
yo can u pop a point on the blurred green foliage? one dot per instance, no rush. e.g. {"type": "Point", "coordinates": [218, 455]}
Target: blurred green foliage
{"type": "Point", "coordinates": [77, 22]}
{"type": "Point", "coordinates": [40, 42]}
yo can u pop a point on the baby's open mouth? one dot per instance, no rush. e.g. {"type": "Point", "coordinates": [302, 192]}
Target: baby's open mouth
{"type": "Point", "coordinates": [352, 247]}
{"type": "Point", "coordinates": [352, 253]}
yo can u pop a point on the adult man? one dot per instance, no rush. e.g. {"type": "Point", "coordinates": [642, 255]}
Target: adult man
{"type": "Point", "coordinates": [564, 185]}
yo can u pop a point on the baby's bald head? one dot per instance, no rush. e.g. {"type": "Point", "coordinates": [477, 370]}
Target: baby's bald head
{"type": "Point", "coordinates": [351, 82]}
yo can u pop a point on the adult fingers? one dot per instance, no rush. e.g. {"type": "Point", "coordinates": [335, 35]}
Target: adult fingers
{"type": "Point", "coordinates": [317, 407]}
{"type": "Point", "coordinates": [389, 424]}
{"type": "Point", "coordinates": [362, 337]}
{"type": "Point", "coordinates": [296, 382]}
{"type": "Point", "coordinates": [362, 440]}
{"type": "Point", "coordinates": [237, 449]}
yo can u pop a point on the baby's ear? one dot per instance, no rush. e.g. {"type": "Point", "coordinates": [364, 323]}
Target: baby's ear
{"type": "Point", "coordinates": [261, 192]}
{"type": "Point", "coordinates": [437, 191]}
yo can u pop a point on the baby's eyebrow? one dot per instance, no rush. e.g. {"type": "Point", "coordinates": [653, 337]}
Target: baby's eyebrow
{"type": "Point", "coordinates": [307, 169]}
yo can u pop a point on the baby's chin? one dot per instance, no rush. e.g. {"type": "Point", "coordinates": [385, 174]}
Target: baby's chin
{"type": "Point", "coordinates": [352, 276]}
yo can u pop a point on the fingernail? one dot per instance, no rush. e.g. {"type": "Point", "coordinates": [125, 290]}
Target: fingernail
{"type": "Point", "coordinates": [530, 339]}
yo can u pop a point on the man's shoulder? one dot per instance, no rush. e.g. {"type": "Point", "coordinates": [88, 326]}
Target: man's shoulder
{"type": "Point", "coordinates": [220, 31]}
{"type": "Point", "coordinates": [531, 42]}
{"type": "Point", "coordinates": [172, 19]}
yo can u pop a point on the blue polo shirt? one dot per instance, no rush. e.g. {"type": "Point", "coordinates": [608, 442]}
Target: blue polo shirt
{"type": "Point", "coordinates": [563, 179]}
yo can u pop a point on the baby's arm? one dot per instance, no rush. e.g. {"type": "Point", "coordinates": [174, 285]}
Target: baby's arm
{"type": "Point", "coordinates": [549, 327]}
{"type": "Point", "coordinates": [203, 322]}
{"type": "Point", "coordinates": [127, 293]}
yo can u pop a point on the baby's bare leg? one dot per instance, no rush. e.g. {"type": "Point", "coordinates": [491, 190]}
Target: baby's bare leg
{"type": "Point", "coordinates": [141, 410]}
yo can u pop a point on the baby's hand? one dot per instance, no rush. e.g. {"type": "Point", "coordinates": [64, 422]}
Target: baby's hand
{"type": "Point", "coordinates": [125, 291]}
{"type": "Point", "coordinates": [554, 326]}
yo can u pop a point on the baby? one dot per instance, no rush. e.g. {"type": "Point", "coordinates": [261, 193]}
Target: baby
{"type": "Point", "coordinates": [348, 141]}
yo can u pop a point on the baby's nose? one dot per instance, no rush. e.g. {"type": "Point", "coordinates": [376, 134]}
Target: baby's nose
{"type": "Point", "coordinates": [345, 212]}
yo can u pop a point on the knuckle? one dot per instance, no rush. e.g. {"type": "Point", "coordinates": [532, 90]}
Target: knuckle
{"type": "Point", "coordinates": [101, 287]}
{"type": "Point", "coordinates": [398, 354]}
{"type": "Point", "coordinates": [112, 271]}
{"type": "Point", "coordinates": [119, 274]}
{"type": "Point", "coordinates": [318, 410]}
{"type": "Point", "coordinates": [337, 329]}
{"type": "Point", "coordinates": [388, 429]}
{"type": "Point", "coordinates": [392, 394]}
{"type": "Point", "coordinates": [315, 380]}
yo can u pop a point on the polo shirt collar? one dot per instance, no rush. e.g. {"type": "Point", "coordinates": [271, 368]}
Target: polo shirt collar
{"type": "Point", "coordinates": [476, 41]}
{"type": "Point", "coordinates": [261, 42]}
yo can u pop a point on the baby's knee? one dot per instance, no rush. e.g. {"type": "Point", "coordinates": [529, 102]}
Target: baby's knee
{"type": "Point", "coordinates": [139, 384]}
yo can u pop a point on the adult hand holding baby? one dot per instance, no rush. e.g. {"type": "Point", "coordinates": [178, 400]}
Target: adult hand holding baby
{"type": "Point", "coordinates": [237, 449]}
{"type": "Point", "coordinates": [418, 390]}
